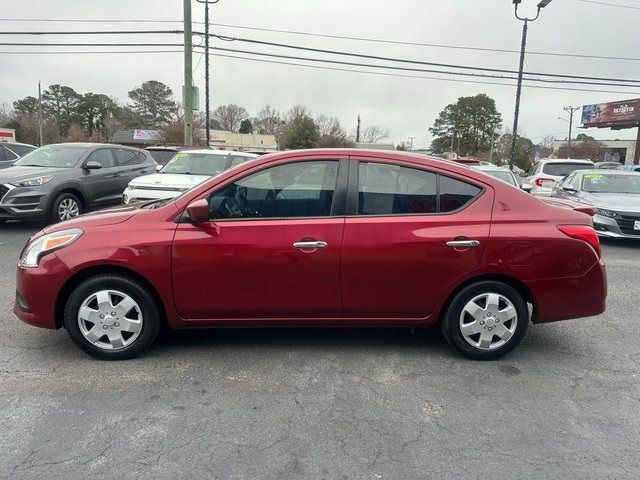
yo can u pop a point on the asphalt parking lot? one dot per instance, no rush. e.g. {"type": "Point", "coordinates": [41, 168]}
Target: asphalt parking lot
{"type": "Point", "coordinates": [326, 403]}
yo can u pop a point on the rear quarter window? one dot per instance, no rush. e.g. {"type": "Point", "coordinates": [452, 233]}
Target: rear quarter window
{"type": "Point", "coordinates": [456, 194]}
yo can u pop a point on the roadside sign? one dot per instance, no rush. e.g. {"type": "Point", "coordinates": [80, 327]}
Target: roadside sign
{"type": "Point", "coordinates": [7, 135]}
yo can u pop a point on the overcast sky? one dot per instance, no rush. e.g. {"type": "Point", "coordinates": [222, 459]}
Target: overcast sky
{"type": "Point", "coordinates": [406, 106]}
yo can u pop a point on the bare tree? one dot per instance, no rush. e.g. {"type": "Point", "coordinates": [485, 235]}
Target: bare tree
{"type": "Point", "coordinates": [547, 142]}
{"type": "Point", "coordinates": [331, 132]}
{"type": "Point", "coordinates": [328, 125]}
{"type": "Point", "coordinates": [374, 134]}
{"type": "Point", "coordinates": [230, 116]}
{"type": "Point", "coordinates": [297, 111]}
{"type": "Point", "coordinates": [267, 121]}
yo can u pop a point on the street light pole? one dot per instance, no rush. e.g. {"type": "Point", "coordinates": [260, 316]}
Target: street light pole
{"type": "Point", "coordinates": [523, 47]}
{"type": "Point", "coordinates": [187, 89]}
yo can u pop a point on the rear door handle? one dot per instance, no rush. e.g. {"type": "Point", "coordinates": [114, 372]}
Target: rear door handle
{"type": "Point", "coordinates": [463, 243]}
{"type": "Point", "coordinates": [310, 245]}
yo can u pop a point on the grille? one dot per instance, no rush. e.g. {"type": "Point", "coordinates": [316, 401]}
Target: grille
{"type": "Point", "coordinates": [625, 222]}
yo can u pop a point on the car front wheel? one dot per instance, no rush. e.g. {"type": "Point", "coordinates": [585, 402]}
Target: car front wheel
{"type": "Point", "coordinates": [65, 207]}
{"type": "Point", "coordinates": [112, 317]}
{"type": "Point", "coordinates": [485, 320]}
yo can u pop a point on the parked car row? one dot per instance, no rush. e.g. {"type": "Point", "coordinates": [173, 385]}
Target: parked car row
{"type": "Point", "coordinates": [61, 181]}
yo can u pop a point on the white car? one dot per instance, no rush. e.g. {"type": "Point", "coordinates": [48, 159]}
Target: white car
{"type": "Point", "coordinates": [501, 173]}
{"type": "Point", "coordinates": [543, 175]}
{"type": "Point", "coordinates": [183, 172]}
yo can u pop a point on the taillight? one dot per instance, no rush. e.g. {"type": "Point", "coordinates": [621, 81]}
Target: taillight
{"type": "Point", "coordinates": [583, 232]}
{"type": "Point", "coordinates": [540, 181]}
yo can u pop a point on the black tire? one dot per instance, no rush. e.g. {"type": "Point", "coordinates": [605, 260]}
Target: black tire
{"type": "Point", "coordinates": [54, 216]}
{"type": "Point", "coordinates": [152, 318]}
{"type": "Point", "coordinates": [450, 323]}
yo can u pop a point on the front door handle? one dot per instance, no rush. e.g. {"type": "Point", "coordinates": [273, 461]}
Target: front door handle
{"type": "Point", "coordinates": [463, 243]}
{"type": "Point", "coordinates": [313, 245]}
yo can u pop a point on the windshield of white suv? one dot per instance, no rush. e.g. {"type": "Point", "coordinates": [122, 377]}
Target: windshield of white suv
{"type": "Point", "coordinates": [57, 156]}
{"type": "Point", "coordinates": [597, 183]}
{"type": "Point", "coordinates": [564, 169]}
{"type": "Point", "coordinates": [196, 164]}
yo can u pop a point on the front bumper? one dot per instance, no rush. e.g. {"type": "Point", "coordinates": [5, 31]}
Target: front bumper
{"type": "Point", "coordinates": [141, 194]}
{"type": "Point", "coordinates": [24, 203]}
{"type": "Point", "coordinates": [619, 227]}
{"type": "Point", "coordinates": [37, 290]}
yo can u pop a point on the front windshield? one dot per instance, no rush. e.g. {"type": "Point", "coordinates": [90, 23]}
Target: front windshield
{"type": "Point", "coordinates": [188, 163]}
{"type": "Point", "coordinates": [598, 183]}
{"type": "Point", "coordinates": [502, 175]}
{"type": "Point", "coordinates": [58, 156]}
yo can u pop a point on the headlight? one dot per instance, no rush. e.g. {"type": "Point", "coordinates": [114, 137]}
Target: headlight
{"type": "Point", "coordinates": [606, 213]}
{"type": "Point", "coordinates": [33, 182]}
{"type": "Point", "coordinates": [47, 243]}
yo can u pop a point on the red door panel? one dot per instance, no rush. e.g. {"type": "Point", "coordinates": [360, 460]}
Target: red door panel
{"type": "Point", "coordinates": [398, 266]}
{"type": "Point", "coordinates": [250, 269]}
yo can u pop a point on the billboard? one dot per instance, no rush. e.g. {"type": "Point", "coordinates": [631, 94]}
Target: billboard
{"type": "Point", "coordinates": [614, 114]}
{"type": "Point", "coordinates": [153, 135]}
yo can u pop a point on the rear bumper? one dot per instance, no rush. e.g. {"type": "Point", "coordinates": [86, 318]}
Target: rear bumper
{"type": "Point", "coordinates": [574, 297]}
{"type": "Point", "coordinates": [37, 291]}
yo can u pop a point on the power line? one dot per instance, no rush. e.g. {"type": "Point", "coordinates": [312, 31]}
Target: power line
{"type": "Point", "coordinates": [341, 37]}
{"type": "Point", "coordinates": [609, 4]}
{"type": "Point", "coordinates": [100, 32]}
{"type": "Point", "coordinates": [48, 44]}
{"type": "Point", "coordinates": [416, 62]}
{"type": "Point", "coordinates": [422, 70]}
{"type": "Point", "coordinates": [320, 67]}
{"type": "Point", "coordinates": [421, 44]}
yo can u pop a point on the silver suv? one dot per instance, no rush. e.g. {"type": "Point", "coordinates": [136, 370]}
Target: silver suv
{"type": "Point", "coordinates": [543, 175]}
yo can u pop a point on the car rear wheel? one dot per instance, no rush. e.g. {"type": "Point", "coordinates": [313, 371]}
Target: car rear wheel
{"type": "Point", "coordinates": [65, 207]}
{"type": "Point", "coordinates": [112, 317]}
{"type": "Point", "coordinates": [485, 320]}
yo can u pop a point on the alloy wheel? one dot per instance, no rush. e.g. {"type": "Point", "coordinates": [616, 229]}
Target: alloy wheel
{"type": "Point", "coordinates": [68, 208]}
{"type": "Point", "coordinates": [110, 319]}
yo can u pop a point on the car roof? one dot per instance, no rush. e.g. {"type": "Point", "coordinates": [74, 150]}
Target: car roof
{"type": "Point", "coordinates": [18, 143]}
{"type": "Point", "coordinates": [565, 160]}
{"type": "Point", "coordinates": [489, 168]}
{"type": "Point", "coordinates": [600, 171]}
{"type": "Point", "coordinates": [90, 145]}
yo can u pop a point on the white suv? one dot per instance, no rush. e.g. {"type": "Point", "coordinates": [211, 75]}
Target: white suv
{"type": "Point", "coordinates": [543, 175]}
{"type": "Point", "coordinates": [184, 171]}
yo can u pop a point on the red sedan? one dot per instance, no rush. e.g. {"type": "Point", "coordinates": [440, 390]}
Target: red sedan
{"type": "Point", "coordinates": [318, 238]}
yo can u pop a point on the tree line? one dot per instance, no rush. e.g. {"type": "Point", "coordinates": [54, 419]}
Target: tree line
{"type": "Point", "coordinates": [68, 115]}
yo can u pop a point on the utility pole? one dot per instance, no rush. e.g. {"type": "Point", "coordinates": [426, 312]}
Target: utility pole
{"type": "Point", "coordinates": [411, 143]}
{"type": "Point", "coordinates": [358, 130]}
{"type": "Point", "coordinates": [187, 88]}
{"type": "Point", "coordinates": [39, 114]}
{"type": "Point", "coordinates": [523, 47]}
{"type": "Point", "coordinates": [571, 111]}
{"type": "Point", "coordinates": [206, 67]}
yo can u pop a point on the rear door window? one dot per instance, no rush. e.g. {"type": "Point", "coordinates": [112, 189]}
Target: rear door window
{"type": "Point", "coordinates": [7, 154]}
{"type": "Point", "coordinates": [385, 189]}
{"type": "Point", "coordinates": [21, 150]}
{"type": "Point", "coordinates": [564, 169]}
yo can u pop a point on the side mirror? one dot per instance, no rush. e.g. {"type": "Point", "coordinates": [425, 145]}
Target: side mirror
{"type": "Point", "coordinates": [527, 187]}
{"type": "Point", "coordinates": [523, 174]}
{"type": "Point", "coordinates": [159, 167]}
{"type": "Point", "coordinates": [198, 211]}
{"type": "Point", "coordinates": [569, 188]}
{"type": "Point", "coordinates": [93, 165]}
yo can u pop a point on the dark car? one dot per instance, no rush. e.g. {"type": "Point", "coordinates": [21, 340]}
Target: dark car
{"type": "Point", "coordinates": [163, 153]}
{"type": "Point", "coordinates": [61, 181]}
{"type": "Point", "coordinates": [11, 151]}
{"type": "Point", "coordinates": [332, 237]}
